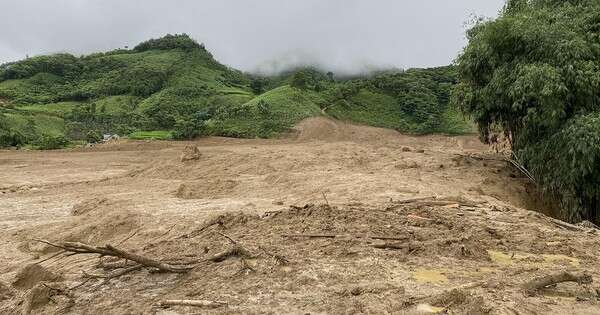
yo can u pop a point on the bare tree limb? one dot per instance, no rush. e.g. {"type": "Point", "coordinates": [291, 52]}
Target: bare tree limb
{"type": "Point", "coordinates": [109, 250]}
{"type": "Point", "coordinates": [196, 303]}
{"type": "Point", "coordinates": [541, 282]}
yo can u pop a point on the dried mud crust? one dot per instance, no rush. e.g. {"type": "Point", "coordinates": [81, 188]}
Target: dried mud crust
{"type": "Point", "coordinates": [394, 224]}
{"type": "Point", "coordinates": [413, 257]}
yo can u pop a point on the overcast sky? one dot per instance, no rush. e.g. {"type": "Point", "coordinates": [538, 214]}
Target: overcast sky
{"type": "Point", "coordinates": [344, 35]}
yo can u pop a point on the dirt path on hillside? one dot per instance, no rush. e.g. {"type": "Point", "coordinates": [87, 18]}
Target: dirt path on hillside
{"type": "Point", "coordinates": [456, 215]}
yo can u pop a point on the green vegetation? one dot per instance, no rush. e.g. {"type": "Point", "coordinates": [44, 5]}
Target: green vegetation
{"type": "Point", "coordinates": [534, 73]}
{"type": "Point", "coordinates": [175, 85]}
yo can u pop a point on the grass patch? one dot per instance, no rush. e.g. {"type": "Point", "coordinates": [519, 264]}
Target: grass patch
{"type": "Point", "coordinates": [59, 109]}
{"type": "Point", "coordinates": [151, 135]}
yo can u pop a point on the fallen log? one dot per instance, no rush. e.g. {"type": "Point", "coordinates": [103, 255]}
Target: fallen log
{"type": "Point", "coordinates": [109, 250]}
{"type": "Point", "coordinates": [532, 286]}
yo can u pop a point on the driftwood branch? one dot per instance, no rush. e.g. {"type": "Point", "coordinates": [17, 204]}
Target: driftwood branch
{"type": "Point", "coordinates": [195, 303]}
{"type": "Point", "coordinates": [536, 284]}
{"type": "Point", "coordinates": [109, 250]}
{"type": "Point", "coordinates": [565, 225]}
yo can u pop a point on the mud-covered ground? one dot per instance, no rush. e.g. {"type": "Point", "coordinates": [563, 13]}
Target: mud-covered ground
{"type": "Point", "coordinates": [333, 219]}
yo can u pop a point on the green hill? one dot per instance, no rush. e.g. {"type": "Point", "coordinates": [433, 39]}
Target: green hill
{"type": "Point", "coordinates": [173, 86]}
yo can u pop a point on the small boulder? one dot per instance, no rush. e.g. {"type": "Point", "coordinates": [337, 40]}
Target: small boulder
{"type": "Point", "coordinates": [190, 153]}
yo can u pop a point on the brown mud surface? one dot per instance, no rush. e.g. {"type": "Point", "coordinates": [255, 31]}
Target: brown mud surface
{"type": "Point", "coordinates": [332, 219]}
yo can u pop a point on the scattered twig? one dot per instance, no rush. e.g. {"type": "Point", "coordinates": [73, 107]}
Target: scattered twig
{"type": "Point", "coordinates": [195, 303]}
{"type": "Point", "coordinates": [228, 238]}
{"type": "Point", "coordinates": [392, 246]}
{"type": "Point", "coordinates": [480, 158]}
{"type": "Point", "coordinates": [52, 256]}
{"type": "Point", "coordinates": [218, 220]}
{"type": "Point", "coordinates": [82, 283]}
{"type": "Point", "coordinates": [516, 162]}
{"type": "Point", "coordinates": [325, 197]}
{"type": "Point", "coordinates": [331, 236]}
{"type": "Point", "coordinates": [405, 201]}
{"type": "Point", "coordinates": [531, 287]}
{"type": "Point", "coordinates": [129, 237]}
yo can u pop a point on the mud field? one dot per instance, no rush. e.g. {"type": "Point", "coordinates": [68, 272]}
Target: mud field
{"type": "Point", "coordinates": [332, 219]}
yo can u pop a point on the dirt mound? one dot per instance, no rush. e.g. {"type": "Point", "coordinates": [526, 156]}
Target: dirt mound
{"type": "Point", "coordinates": [190, 153]}
{"type": "Point", "coordinates": [325, 129]}
{"type": "Point", "coordinates": [33, 274]}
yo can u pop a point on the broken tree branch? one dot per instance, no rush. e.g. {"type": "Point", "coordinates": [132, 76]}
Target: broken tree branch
{"type": "Point", "coordinates": [541, 282]}
{"type": "Point", "coordinates": [392, 238]}
{"type": "Point", "coordinates": [109, 250]}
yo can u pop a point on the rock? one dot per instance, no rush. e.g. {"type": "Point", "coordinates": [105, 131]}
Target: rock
{"type": "Point", "coordinates": [190, 153]}
{"type": "Point", "coordinates": [31, 275]}
{"type": "Point", "coordinates": [407, 149]}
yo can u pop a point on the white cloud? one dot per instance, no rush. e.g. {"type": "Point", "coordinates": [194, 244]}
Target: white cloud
{"type": "Point", "coordinates": [345, 35]}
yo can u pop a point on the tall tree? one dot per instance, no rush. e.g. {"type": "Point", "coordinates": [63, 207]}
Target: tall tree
{"type": "Point", "coordinates": [535, 74]}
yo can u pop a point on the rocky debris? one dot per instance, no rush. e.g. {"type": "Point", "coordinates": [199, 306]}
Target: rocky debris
{"type": "Point", "coordinates": [31, 275]}
{"type": "Point", "coordinates": [190, 153]}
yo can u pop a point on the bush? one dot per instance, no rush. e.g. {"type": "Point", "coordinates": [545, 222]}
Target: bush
{"type": "Point", "coordinates": [93, 136]}
{"type": "Point", "coordinates": [50, 142]}
{"type": "Point", "coordinates": [11, 138]}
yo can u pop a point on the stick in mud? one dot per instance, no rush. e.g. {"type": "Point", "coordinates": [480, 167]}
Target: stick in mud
{"type": "Point", "coordinates": [196, 303]}
{"type": "Point", "coordinates": [536, 284]}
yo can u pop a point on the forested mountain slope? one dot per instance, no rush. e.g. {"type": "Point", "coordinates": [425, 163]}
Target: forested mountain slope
{"type": "Point", "coordinates": [173, 87]}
